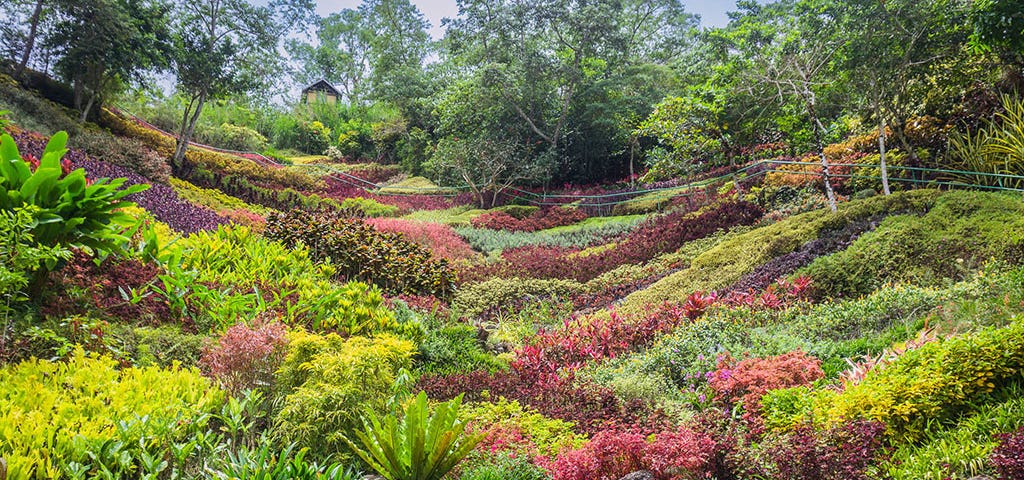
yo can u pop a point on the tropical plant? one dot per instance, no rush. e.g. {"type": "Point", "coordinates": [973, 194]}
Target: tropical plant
{"type": "Point", "coordinates": [71, 210]}
{"type": "Point", "coordinates": [420, 445]}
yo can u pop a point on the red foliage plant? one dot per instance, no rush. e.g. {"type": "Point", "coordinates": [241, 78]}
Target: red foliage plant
{"type": "Point", "coordinates": [748, 380]}
{"type": "Point", "coordinates": [612, 454]}
{"type": "Point", "coordinates": [1008, 457]}
{"type": "Point", "coordinates": [440, 239]}
{"type": "Point", "coordinates": [841, 453]}
{"type": "Point", "coordinates": [539, 220]}
{"type": "Point", "coordinates": [659, 235]}
{"type": "Point", "coordinates": [246, 357]}
{"type": "Point", "coordinates": [109, 288]}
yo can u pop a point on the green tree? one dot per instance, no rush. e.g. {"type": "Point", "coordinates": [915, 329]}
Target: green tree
{"type": "Point", "coordinates": [399, 46]}
{"type": "Point", "coordinates": [222, 48]}
{"type": "Point", "coordinates": [341, 55]}
{"type": "Point", "coordinates": [893, 53]}
{"type": "Point", "coordinates": [998, 26]}
{"type": "Point", "coordinates": [690, 129]}
{"type": "Point", "coordinates": [105, 43]}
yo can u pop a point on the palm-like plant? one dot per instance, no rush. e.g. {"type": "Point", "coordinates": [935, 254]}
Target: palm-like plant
{"type": "Point", "coordinates": [419, 446]}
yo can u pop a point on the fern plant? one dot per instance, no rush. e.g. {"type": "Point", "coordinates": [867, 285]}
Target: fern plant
{"type": "Point", "coordinates": [419, 446]}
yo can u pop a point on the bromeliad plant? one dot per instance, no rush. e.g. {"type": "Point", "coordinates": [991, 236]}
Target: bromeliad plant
{"type": "Point", "coordinates": [71, 210]}
{"type": "Point", "coordinates": [418, 446]}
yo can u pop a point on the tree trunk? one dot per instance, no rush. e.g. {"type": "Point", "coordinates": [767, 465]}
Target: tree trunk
{"type": "Point", "coordinates": [881, 154]}
{"type": "Point", "coordinates": [188, 126]}
{"type": "Point", "coordinates": [30, 43]}
{"type": "Point", "coordinates": [899, 131]}
{"type": "Point", "coordinates": [88, 107]}
{"type": "Point", "coordinates": [819, 131]}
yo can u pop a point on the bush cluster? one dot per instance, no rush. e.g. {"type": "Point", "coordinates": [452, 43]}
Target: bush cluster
{"type": "Point", "coordinates": [539, 220]}
{"type": "Point", "coordinates": [359, 252]}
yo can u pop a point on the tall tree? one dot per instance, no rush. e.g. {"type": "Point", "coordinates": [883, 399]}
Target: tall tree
{"type": "Point", "coordinates": [894, 49]}
{"type": "Point", "coordinates": [221, 47]}
{"type": "Point", "coordinates": [341, 54]}
{"type": "Point", "coordinates": [400, 45]}
{"type": "Point", "coordinates": [105, 43]}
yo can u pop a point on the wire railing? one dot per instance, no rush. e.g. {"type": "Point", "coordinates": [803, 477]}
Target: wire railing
{"type": "Point", "coordinates": [605, 202]}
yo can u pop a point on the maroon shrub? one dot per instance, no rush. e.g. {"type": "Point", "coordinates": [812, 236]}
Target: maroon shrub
{"type": "Point", "coordinates": [119, 288]}
{"type": "Point", "coordinates": [1008, 457]}
{"type": "Point", "coordinates": [841, 453]}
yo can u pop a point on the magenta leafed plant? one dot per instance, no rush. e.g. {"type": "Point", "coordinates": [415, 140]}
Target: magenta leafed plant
{"type": "Point", "coordinates": [246, 357]}
{"type": "Point", "coordinates": [1008, 457]}
{"type": "Point", "coordinates": [439, 239]}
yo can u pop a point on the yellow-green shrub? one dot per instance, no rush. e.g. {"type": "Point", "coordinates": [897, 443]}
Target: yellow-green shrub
{"type": "Point", "coordinates": [472, 300]}
{"type": "Point", "coordinates": [933, 384]}
{"type": "Point", "coordinates": [961, 232]}
{"type": "Point", "coordinates": [51, 413]}
{"type": "Point", "coordinates": [215, 199]}
{"type": "Point", "coordinates": [328, 381]}
{"type": "Point", "coordinates": [727, 262]}
{"type": "Point", "coordinates": [291, 283]}
{"type": "Point", "coordinates": [546, 436]}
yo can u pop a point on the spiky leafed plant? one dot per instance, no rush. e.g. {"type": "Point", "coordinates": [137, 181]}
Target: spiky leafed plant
{"type": "Point", "coordinates": [420, 445]}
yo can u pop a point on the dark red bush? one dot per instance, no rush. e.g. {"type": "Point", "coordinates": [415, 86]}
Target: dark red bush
{"type": "Point", "coordinates": [612, 454]}
{"type": "Point", "coordinates": [1008, 457]}
{"type": "Point", "coordinates": [540, 220]}
{"type": "Point", "coordinates": [841, 453]}
{"type": "Point", "coordinates": [118, 288]}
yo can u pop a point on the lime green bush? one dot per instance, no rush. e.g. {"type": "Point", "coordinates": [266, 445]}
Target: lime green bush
{"type": "Point", "coordinates": [961, 232]}
{"type": "Point", "coordinates": [267, 276]}
{"type": "Point", "coordinates": [327, 382]}
{"type": "Point", "coordinates": [360, 207]}
{"type": "Point", "coordinates": [20, 255]}
{"type": "Point", "coordinates": [738, 255]}
{"type": "Point", "coordinates": [217, 200]}
{"type": "Point", "coordinates": [52, 414]}
{"type": "Point", "coordinates": [960, 452]}
{"type": "Point", "coordinates": [545, 436]}
{"type": "Point", "coordinates": [932, 385]}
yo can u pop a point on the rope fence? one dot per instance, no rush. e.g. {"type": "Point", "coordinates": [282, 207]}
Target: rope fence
{"type": "Point", "coordinates": [930, 177]}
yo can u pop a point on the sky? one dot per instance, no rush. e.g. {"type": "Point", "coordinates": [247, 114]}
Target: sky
{"type": "Point", "coordinates": [712, 12]}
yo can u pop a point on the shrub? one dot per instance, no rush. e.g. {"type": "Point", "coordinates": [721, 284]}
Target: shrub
{"type": "Point", "coordinates": [840, 453]}
{"type": "Point", "coordinates": [505, 467]}
{"type": "Point", "coordinates": [359, 207]}
{"type": "Point", "coordinates": [455, 349]}
{"type": "Point", "coordinates": [1008, 457]}
{"type": "Point", "coordinates": [656, 236]}
{"type": "Point", "coordinates": [327, 382]}
{"type": "Point", "coordinates": [55, 413]}
{"type": "Point", "coordinates": [475, 300]}
{"type": "Point", "coordinates": [232, 137]}
{"type": "Point", "coordinates": [216, 200]}
{"type": "Point", "coordinates": [963, 230]}
{"type": "Point", "coordinates": [291, 286]}
{"type": "Point", "coordinates": [610, 455]}
{"type": "Point", "coordinates": [441, 240]}
{"type": "Point", "coordinates": [358, 251]}
{"type": "Point", "coordinates": [931, 385]}
{"type": "Point", "coordinates": [124, 152]}
{"type": "Point", "coordinates": [539, 220]}
{"type": "Point", "coordinates": [593, 231]}
{"type": "Point", "coordinates": [419, 446]}
{"type": "Point", "coordinates": [512, 428]}
{"type": "Point", "coordinates": [747, 381]}
{"type": "Point", "coordinates": [726, 262]}
{"type": "Point", "coordinates": [69, 210]}
{"type": "Point", "coordinates": [20, 255]}
{"type": "Point", "coordinates": [121, 288]}
{"type": "Point", "coordinates": [245, 357]}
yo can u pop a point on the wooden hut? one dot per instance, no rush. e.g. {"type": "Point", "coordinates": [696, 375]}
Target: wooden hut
{"type": "Point", "coordinates": [321, 92]}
